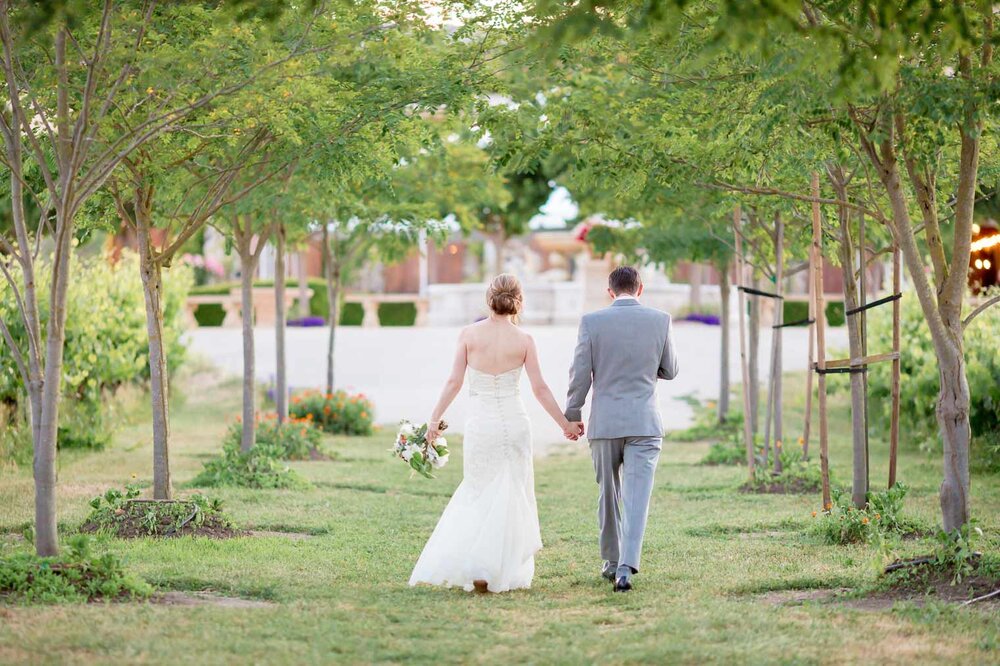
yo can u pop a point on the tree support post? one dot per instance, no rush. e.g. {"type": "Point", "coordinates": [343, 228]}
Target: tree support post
{"type": "Point", "coordinates": [816, 267]}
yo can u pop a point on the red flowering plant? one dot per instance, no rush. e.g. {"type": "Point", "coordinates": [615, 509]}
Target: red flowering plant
{"type": "Point", "coordinates": [338, 413]}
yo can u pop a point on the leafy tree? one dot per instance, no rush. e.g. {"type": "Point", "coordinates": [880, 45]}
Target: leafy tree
{"type": "Point", "coordinates": [81, 98]}
{"type": "Point", "coordinates": [909, 89]}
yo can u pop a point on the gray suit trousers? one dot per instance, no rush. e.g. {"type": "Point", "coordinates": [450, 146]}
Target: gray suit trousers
{"type": "Point", "coordinates": [624, 468]}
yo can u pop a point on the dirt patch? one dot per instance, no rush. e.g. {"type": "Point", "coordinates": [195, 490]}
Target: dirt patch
{"type": "Point", "coordinates": [319, 456]}
{"type": "Point", "coordinates": [163, 518]}
{"type": "Point", "coordinates": [206, 599]}
{"type": "Point", "coordinates": [799, 597]}
{"type": "Point", "coordinates": [919, 581]}
{"type": "Point", "coordinates": [294, 536]}
{"type": "Point", "coordinates": [918, 584]}
{"type": "Point", "coordinates": [769, 534]}
{"type": "Point", "coordinates": [794, 487]}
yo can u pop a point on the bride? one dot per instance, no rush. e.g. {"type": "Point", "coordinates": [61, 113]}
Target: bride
{"type": "Point", "coordinates": [488, 535]}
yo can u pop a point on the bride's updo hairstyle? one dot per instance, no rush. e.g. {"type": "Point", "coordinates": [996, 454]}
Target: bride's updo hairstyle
{"type": "Point", "coordinates": [504, 297]}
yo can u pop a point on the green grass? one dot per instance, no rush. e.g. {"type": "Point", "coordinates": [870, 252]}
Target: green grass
{"type": "Point", "coordinates": [341, 595]}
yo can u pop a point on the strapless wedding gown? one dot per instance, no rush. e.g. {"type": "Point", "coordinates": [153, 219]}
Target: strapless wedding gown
{"type": "Point", "coordinates": [489, 530]}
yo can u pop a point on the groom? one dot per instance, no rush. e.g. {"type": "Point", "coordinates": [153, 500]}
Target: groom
{"type": "Point", "coordinates": [622, 350]}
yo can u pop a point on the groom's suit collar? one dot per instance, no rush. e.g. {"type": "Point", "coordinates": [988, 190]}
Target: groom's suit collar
{"type": "Point", "coordinates": [625, 301]}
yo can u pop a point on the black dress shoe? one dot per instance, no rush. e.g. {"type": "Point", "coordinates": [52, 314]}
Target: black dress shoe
{"type": "Point", "coordinates": [609, 574]}
{"type": "Point", "coordinates": [623, 578]}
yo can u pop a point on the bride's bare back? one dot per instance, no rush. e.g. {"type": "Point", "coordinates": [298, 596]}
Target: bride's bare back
{"type": "Point", "coordinates": [495, 346]}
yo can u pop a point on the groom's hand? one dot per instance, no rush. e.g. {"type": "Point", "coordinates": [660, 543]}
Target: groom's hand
{"type": "Point", "coordinates": [576, 427]}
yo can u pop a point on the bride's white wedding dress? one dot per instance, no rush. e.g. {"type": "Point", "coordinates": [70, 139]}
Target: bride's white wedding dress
{"type": "Point", "coordinates": [489, 530]}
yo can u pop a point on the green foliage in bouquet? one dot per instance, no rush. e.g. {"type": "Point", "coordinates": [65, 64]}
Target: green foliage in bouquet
{"type": "Point", "coordinates": [411, 446]}
{"type": "Point", "coordinates": [120, 514]}
{"type": "Point", "coordinates": [260, 467]}
{"type": "Point", "coordinates": [844, 523]}
{"type": "Point", "coordinates": [77, 576]}
{"type": "Point", "coordinates": [338, 413]}
{"type": "Point", "coordinates": [920, 382]}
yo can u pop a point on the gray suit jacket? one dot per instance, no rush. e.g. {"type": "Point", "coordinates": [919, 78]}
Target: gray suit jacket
{"type": "Point", "coordinates": [622, 350]}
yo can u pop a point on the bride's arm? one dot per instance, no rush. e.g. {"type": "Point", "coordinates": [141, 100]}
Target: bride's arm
{"type": "Point", "coordinates": [542, 392]}
{"type": "Point", "coordinates": [451, 388]}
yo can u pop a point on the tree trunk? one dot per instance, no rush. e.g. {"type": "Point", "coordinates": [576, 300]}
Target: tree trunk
{"type": "Point", "coordinates": [779, 318]}
{"type": "Point", "coordinates": [304, 310]}
{"type": "Point", "coordinates": [246, 310]}
{"type": "Point", "coordinates": [724, 288]}
{"type": "Point", "coordinates": [152, 289]}
{"type": "Point", "coordinates": [953, 420]}
{"type": "Point", "coordinates": [859, 486]}
{"type": "Point", "coordinates": [44, 468]}
{"type": "Point", "coordinates": [332, 274]}
{"type": "Point", "coordinates": [754, 357]}
{"type": "Point", "coordinates": [281, 381]}
{"type": "Point", "coordinates": [694, 296]}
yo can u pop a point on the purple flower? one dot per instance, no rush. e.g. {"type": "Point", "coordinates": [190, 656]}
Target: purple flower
{"type": "Point", "coordinates": [307, 322]}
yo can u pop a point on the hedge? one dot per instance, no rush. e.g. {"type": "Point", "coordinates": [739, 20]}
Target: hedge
{"type": "Point", "coordinates": [351, 314]}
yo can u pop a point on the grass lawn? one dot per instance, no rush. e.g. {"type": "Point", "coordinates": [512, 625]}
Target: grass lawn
{"type": "Point", "coordinates": [341, 594]}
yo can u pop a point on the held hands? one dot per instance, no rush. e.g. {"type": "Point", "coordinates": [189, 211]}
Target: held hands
{"type": "Point", "coordinates": [572, 430]}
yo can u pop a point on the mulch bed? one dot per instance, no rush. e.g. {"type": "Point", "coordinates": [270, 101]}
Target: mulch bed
{"type": "Point", "coordinates": [132, 523]}
{"type": "Point", "coordinates": [925, 583]}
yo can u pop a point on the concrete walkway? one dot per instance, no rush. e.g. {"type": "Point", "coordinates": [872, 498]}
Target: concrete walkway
{"type": "Point", "coordinates": [403, 369]}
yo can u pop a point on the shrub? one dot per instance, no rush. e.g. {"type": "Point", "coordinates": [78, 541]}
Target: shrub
{"type": "Point", "coordinates": [296, 439]}
{"type": "Point", "coordinates": [797, 475]}
{"type": "Point", "coordinates": [337, 413]}
{"type": "Point", "coordinates": [919, 373]}
{"type": "Point", "coordinates": [106, 345]}
{"type": "Point", "coordinates": [75, 576]}
{"type": "Point", "coordinates": [986, 451]}
{"type": "Point", "coordinates": [260, 467]}
{"type": "Point", "coordinates": [121, 514]}
{"type": "Point", "coordinates": [795, 311]}
{"type": "Point", "coordinates": [726, 452]}
{"type": "Point", "coordinates": [835, 313]}
{"type": "Point", "coordinates": [843, 523]}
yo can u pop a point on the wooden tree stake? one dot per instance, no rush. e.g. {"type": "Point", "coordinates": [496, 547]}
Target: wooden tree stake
{"type": "Point", "coordinates": [894, 423]}
{"type": "Point", "coordinates": [818, 308]}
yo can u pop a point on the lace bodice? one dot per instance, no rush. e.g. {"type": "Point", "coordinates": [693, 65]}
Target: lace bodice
{"type": "Point", "coordinates": [505, 385]}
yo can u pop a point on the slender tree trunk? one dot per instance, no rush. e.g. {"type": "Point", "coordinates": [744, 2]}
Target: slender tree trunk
{"type": "Point", "coordinates": [46, 531]}
{"type": "Point", "coordinates": [859, 486]}
{"type": "Point", "coordinates": [779, 318]}
{"type": "Point", "coordinates": [332, 274]}
{"type": "Point", "coordinates": [724, 288]}
{"type": "Point", "coordinates": [246, 307]}
{"type": "Point", "coordinates": [695, 288]}
{"type": "Point", "coordinates": [303, 287]}
{"type": "Point", "coordinates": [152, 288]}
{"type": "Point", "coordinates": [281, 381]}
{"type": "Point", "coordinates": [754, 357]}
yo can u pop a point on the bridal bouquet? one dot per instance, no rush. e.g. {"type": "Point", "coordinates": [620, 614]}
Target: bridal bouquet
{"type": "Point", "coordinates": [413, 448]}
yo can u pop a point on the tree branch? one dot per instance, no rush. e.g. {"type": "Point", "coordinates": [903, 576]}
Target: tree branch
{"type": "Point", "coordinates": [981, 309]}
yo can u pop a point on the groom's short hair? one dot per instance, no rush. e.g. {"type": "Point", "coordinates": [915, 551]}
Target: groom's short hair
{"type": "Point", "coordinates": [624, 280]}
